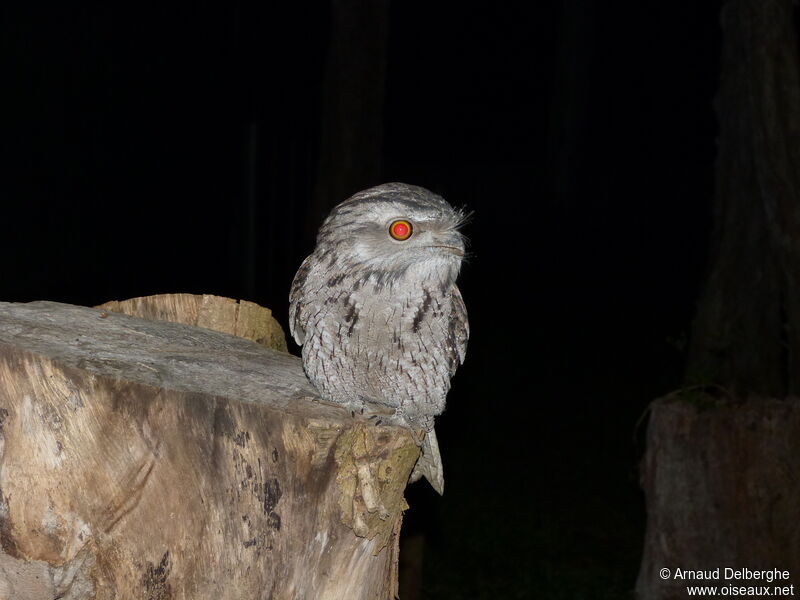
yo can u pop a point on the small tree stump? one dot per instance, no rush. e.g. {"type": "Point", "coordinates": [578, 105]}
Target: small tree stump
{"type": "Point", "coordinates": [149, 459]}
{"type": "Point", "coordinates": [721, 487]}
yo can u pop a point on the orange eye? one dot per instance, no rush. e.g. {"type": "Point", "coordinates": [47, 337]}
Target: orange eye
{"type": "Point", "coordinates": [400, 230]}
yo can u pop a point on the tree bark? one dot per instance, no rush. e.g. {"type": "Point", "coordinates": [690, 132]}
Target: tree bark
{"type": "Point", "coordinates": [148, 459]}
{"type": "Point", "coordinates": [719, 470]}
{"type": "Point", "coordinates": [747, 332]}
{"type": "Point", "coordinates": [721, 488]}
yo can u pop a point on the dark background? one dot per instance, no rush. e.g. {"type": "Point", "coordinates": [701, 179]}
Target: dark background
{"type": "Point", "coordinates": [166, 147]}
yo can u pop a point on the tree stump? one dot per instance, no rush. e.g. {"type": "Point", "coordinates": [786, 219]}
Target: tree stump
{"type": "Point", "coordinates": [157, 460]}
{"type": "Point", "coordinates": [721, 488]}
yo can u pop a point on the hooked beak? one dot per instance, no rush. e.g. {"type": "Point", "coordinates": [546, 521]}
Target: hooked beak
{"type": "Point", "coordinates": [451, 249]}
{"type": "Point", "coordinates": [452, 243]}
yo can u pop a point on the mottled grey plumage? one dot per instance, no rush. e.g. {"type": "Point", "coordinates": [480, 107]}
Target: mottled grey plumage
{"type": "Point", "coordinates": [381, 320]}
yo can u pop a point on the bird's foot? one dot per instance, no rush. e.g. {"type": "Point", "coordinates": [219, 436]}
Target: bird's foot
{"type": "Point", "coordinates": [370, 415]}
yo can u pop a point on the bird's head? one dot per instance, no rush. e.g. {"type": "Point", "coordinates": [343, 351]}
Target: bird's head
{"type": "Point", "coordinates": [390, 230]}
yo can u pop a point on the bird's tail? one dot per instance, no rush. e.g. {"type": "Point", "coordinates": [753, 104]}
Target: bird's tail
{"type": "Point", "coordinates": [429, 464]}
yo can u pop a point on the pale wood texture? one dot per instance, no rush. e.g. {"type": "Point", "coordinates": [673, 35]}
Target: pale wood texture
{"type": "Point", "coordinates": [720, 479]}
{"type": "Point", "coordinates": [236, 317]}
{"type": "Point", "coordinates": [148, 459]}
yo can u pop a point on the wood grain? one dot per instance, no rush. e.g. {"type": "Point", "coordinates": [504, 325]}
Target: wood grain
{"type": "Point", "coordinates": [149, 459]}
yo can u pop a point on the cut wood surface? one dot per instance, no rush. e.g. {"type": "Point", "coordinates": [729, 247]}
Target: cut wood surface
{"type": "Point", "coordinates": [156, 460]}
{"type": "Point", "coordinates": [721, 487]}
{"type": "Point", "coordinates": [237, 317]}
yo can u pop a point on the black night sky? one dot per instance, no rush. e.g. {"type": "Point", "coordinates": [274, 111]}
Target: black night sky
{"type": "Point", "coordinates": [174, 147]}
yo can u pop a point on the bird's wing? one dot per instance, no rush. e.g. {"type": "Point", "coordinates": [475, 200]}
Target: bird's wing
{"type": "Point", "coordinates": [298, 307]}
{"type": "Point", "coordinates": [458, 330]}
